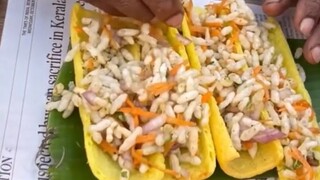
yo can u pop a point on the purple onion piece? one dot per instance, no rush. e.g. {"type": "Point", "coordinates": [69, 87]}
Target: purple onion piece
{"type": "Point", "coordinates": [89, 96]}
{"type": "Point", "coordinates": [268, 135]}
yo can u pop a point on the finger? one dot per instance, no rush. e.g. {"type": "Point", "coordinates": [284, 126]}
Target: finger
{"type": "Point", "coordinates": [312, 47]}
{"type": "Point", "coordinates": [133, 8]}
{"type": "Point", "coordinates": [169, 11]}
{"type": "Point", "coordinates": [307, 16]}
{"type": "Point", "coordinates": [277, 7]}
{"type": "Point", "coordinates": [105, 6]}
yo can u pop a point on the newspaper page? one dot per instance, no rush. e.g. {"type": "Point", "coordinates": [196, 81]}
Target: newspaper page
{"type": "Point", "coordinates": [34, 43]}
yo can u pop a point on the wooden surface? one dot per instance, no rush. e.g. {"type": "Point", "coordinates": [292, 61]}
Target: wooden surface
{"type": "Point", "coordinates": [3, 6]}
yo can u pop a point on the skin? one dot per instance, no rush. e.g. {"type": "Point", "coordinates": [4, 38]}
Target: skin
{"type": "Point", "coordinates": [306, 18]}
{"type": "Point", "coordinates": [168, 11]}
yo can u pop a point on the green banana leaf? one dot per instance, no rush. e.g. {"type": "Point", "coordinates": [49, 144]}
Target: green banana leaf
{"type": "Point", "coordinates": [67, 149]}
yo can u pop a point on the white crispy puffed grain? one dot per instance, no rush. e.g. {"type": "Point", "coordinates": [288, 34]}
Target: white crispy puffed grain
{"type": "Point", "coordinates": [187, 158]}
{"type": "Point", "coordinates": [118, 102]}
{"type": "Point", "coordinates": [187, 96]}
{"type": "Point", "coordinates": [174, 163]}
{"type": "Point", "coordinates": [143, 168]}
{"type": "Point", "coordinates": [127, 32]}
{"type": "Point", "coordinates": [193, 141]}
{"type": "Point", "coordinates": [253, 150]}
{"type": "Point", "coordinates": [130, 141]}
{"type": "Point", "coordinates": [97, 137]}
{"type": "Point", "coordinates": [205, 114]}
{"type": "Point", "coordinates": [249, 133]}
{"type": "Point", "coordinates": [101, 125]}
{"type": "Point", "coordinates": [298, 53]}
{"type": "Point", "coordinates": [227, 100]}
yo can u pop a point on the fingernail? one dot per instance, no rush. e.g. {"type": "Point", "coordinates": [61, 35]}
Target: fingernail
{"type": "Point", "coordinates": [175, 20]}
{"type": "Point", "coordinates": [316, 54]}
{"type": "Point", "coordinates": [271, 1]}
{"type": "Point", "coordinates": [306, 26]}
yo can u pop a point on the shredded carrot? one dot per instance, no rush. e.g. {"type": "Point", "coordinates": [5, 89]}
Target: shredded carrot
{"type": "Point", "coordinates": [219, 99]}
{"type": "Point", "coordinates": [206, 97]}
{"type": "Point", "coordinates": [314, 130]}
{"type": "Point", "coordinates": [300, 173]}
{"type": "Point", "coordinates": [214, 32]}
{"type": "Point", "coordinates": [106, 147]}
{"type": "Point", "coordinates": [158, 88]}
{"type": "Point", "coordinates": [247, 144]}
{"type": "Point", "coordinates": [179, 122]}
{"type": "Point", "coordinates": [167, 147]}
{"type": "Point", "coordinates": [145, 138]}
{"type": "Point", "coordinates": [296, 154]}
{"type": "Point", "coordinates": [234, 38]}
{"type": "Point", "coordinates": [137, 156]}
{"type": "Point", "coordinates": [175, 69]}
{"type": "Point", "coordinates": [204, 48]}
{"type": "Point", "coordinates": [218, 8]}
{"type": "Point", "coordinates": [256, 70]}
{"type": "Point", "coordinates": [295, 135]}
{"type": "Point", "coordinates": [282, 109]}
{"type": "Point", "coordinates": [89, 64]}
{"type": "Point", "coordinates": [136, 121]}
{"type": "Point", "coordinates": [138, 111]}
{"type": "Point", "coordinates": [301, 105]}
{"type": "Point", "coordinates": [198, 29]}
{"type": "Point", "coordinates": [130, 103]}
{"type": "Point", "coordinates": [213, 24]}
{"type": "Point", "coordinates": [138, 159]}
{"type": "Point", "coordinates": [78, 29]}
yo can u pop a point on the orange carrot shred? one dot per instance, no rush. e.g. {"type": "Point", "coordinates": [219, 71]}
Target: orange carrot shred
{"type": "Point", "coordinates": [136, 121]}
{"type": "Point", "coordinates": [138, 111]}
{"type": "Point", "coordinates": [296, 154]}
{"type": "Point", "coordinates": [214, 32]}
{"type": "Point", "coordinates": [78, 29]}
{"type": "Point", "coordinates": [198, 29]}
{"type": "Point", "coordinates": [175, 69]}
{"type": "Point", "coordinates": [256, 70]}
{"type": "Point", "coordinates": [204, 48]}
{"type": "Point", "coordinates": [145, 138]}
{"type": "Point", "coordinates": [158, 88]}
{"type": "Point", "coordinates": [130, 103]}
{"type": "Point", "coordinates": [295, 135]}
{"type": "Point", "coordinates": [314, 130]}
{"type": "Point", "coordinates": [247, 144]}
{"type": "Point", "coordinates": [179, 122]}
{"type": "Point", "coordinates": [219, 99]}
{"type": "Point", "coordinates": [106, 147]}
{"type": "Point", "coordinates": [213, 24]}
{"type": "Point", "coordinates": [301, 105]}
{"type": "Point", "coordinates": [138, 159]}
{"type": "Point", "coordinates": [206, 97]}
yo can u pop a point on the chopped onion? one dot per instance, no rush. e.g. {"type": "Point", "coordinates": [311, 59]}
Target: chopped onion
{"type": "Point", "coordinates": [89, 96]}
{"type": "Point", "coordinates": [268, 135]}
{"type": "Point", "coordinates": [154, 124]}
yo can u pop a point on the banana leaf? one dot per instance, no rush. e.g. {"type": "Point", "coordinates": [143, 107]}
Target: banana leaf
{"type": "Point", "coordinates": [67, 148]}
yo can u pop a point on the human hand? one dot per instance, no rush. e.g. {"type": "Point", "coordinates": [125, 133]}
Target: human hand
{"type": "Point", "coordinates": [306, 20]}
{"type": "Point", "coordinates": [168, 11]}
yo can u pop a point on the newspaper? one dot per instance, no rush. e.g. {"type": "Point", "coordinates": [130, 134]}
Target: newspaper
{"type": "Point", "coordinates": [34, 43]}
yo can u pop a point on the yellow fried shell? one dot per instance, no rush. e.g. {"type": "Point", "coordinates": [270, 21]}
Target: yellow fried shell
{"type": "Point", "coordinates": [277, 38]}
{"type": "Point", "coordinates": [101, 164]}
